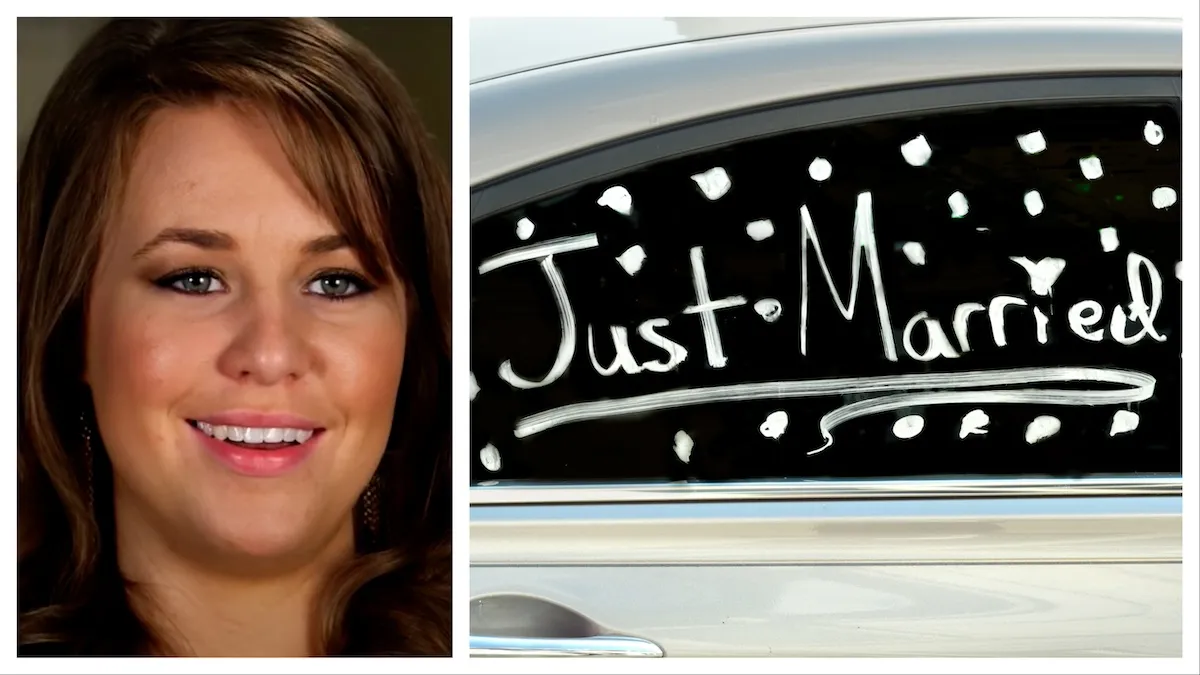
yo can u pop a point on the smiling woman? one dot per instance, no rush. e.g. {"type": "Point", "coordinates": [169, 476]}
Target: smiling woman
{"type": "Point", "coordinates": [234, 293]}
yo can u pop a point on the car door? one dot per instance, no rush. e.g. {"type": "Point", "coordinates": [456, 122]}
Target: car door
{"type": "Point", "coordinates": [889, 373]}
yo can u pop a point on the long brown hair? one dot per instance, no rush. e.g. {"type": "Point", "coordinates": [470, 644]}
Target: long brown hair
{"type": "Point", "coordinates": [355, 140]}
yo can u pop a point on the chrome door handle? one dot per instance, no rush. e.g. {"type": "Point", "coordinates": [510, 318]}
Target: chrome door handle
{"type": "Point", "coordinates": [599, 645]}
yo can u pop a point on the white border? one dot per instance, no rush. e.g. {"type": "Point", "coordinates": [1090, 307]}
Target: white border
{"type": "Point", "coordinates": [461, 10]}
{"type": "Point", "coordinates": [460, 349]}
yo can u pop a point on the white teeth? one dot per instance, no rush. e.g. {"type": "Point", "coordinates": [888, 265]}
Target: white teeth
{"type": "Point", "coordinates": [222, 432]}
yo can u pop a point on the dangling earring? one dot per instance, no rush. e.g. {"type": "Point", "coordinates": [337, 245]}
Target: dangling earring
{"type": "Point", "coordinates": [88, 461]}
{"type": "Point", "coordinates": [370, 506]}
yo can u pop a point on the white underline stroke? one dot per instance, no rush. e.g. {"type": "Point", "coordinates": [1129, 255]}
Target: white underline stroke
{"type": "Point", "coordinates": [539, 250]}
{"type": "Point", "coordinates": [1141, 387]}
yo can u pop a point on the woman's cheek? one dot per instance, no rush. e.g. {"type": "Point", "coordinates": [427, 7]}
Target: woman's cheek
{"type": "Point", "coordinates": [154, 358]}
{"type": "Point", "coordinates": [363, 366]}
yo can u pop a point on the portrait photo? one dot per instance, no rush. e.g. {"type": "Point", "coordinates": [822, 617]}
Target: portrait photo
{"type": "Point", "coordinates": [234, 337]}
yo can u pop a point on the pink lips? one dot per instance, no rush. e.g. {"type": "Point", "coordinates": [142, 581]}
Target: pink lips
{"type": "Point", "coordinates": [246, 418]}
{"type": "Point", "coordinates": [264, 463]}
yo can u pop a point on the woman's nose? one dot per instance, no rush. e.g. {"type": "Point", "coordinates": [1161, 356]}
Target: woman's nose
{"type": "Point", "coordinates": [268, 344]}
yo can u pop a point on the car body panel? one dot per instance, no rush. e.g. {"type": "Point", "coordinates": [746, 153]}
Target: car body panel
{"type": "Point", "coordinates": [787, 572]}
{"type": "Point", "coordinates": [505, 46]}
{"type": "Point", "coordinates": [525, 119]}
{"type": "Point", "coordinates": [945, 610]}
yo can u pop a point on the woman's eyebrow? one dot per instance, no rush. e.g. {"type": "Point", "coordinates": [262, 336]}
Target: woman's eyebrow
{"type": "Point", "coordinates": [205, 239]}
{"type": "Point", "coordinates": [215, 240]}
{"type": "Point", "coordinates": [326, 244]}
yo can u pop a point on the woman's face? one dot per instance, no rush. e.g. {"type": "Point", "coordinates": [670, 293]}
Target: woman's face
{"type": "Point", "coordinates": [244, 371]}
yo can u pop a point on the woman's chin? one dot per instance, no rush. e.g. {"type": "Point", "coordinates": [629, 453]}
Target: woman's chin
{"type": "Point", "coordinates": [263, 544]}
{"type": "Point", "coordinates": [262, 540]}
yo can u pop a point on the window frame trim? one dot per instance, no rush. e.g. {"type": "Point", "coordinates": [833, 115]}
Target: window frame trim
{"type": "Point", "coordinates": [511, 493]}
{"type": "Point", "coordinates": [547, 180]}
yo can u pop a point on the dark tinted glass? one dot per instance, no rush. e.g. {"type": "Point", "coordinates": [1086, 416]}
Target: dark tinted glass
{"type": "Point", "coordinates": [1016, 311]}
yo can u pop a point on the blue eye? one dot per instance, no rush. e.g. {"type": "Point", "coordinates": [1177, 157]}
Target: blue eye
{"type": "Point", "coordinates": [193, 282]}
{"type": "Point", "coordinates": [337, 286]}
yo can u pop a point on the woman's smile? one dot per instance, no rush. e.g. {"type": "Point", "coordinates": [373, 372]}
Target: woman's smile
{"type": "Point", "coordinates": [260, 445]}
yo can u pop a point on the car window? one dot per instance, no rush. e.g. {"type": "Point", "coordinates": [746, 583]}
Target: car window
{"type": "Point", "coordinates": [986, 292]}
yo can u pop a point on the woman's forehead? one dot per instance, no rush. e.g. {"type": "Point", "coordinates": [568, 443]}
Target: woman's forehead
{"type": "Point", "coordinates": [215, 167]}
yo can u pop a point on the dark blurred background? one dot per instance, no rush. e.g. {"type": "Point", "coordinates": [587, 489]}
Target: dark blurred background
{"type": "Point", "coordinates": [418, 50]}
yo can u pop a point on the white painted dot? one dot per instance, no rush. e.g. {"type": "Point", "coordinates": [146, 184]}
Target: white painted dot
{"type": "Point", "coordinates": [917, 151]}
{"type": "Point", "coordinates": [714, 183]}
{"type": "Point", "coordinates": [775, 424]}
{"type": "Point", "coordinates": [683, 446]}
{"type": "Point", "coordinates": [914, 251]}
{"type": "Point", "coordinates": [1153, 133]}
{"type": "Point", "coordinates": [1123, 422]}
{"type": "Point", "coordinates": [618, 199]}
{"type": "Point", "coordinates": [1041, 428]}
{"type": "Point", "coordinates": [1162, 197]}
{"type": "Point", "coordinates": [958, 205]}
{"type": "Point", "coordinates": [1109, 240]}
{"type": "Point", "coordinates": [1032, 143]}
{"type": "Point", "coordinates": [820, 169]}
{"type": "Point", "coordinates": [490, 457]}
{"type": "Point", "coordinates": [1091, 167]}
{"type": "Point", "coordinates": [1033, 202]}
{"type": "Point", "coordinates": [474, 387]}
{"type": "Point", "coordinates": [769, 309]}
{"type": "Point", "coordinates": [974, 422]}
{"type": "Point", "coordinates": [524, 228]}
{"type": "Point", "coordinates": [760, 229]}
{"type": "Point", "coordinates": [631, 260]}
{"type": "Point", "coordinates": [908, 426]}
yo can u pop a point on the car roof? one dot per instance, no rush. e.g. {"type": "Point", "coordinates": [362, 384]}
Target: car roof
{"type": "Point", "coordinates": [527, 117]}
{"type": "Point", "coordinates": [506, 46]}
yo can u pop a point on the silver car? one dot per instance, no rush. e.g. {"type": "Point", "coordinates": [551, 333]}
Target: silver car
{"type": "Point", "coordinates": [826, 338]}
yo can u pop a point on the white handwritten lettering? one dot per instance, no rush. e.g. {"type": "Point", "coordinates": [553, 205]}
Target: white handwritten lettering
{"type": "Point", "coordinates": [706, 307]}
{"type": "Point", "coordinates": [938, 344]}
{"type": "Point", "coordinates": [996, 316]}
{"type": "Point", "coordinates": [1042, 322]}
{"type": "Point", "coordinates": [675, 351]}
{"type": "Point", "coordinates": [566, 345]}
{"type": "Point", "coordinates": [1138, 309]}
{"type": "Point", "coordinates": [864, 247]}
{"type": "Point", "coordinates": [539, 251]}
{"type": "Point", "coordinates": [545, 252]}
{"type": "Point", "coordinates": [623, 360]}
{"type": "Point", "coordinates": [1084, 314]}
{"type": "Point", "coordinates": [1042, 274]}
{"type": "Point", "coordinates": [961, 314]}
